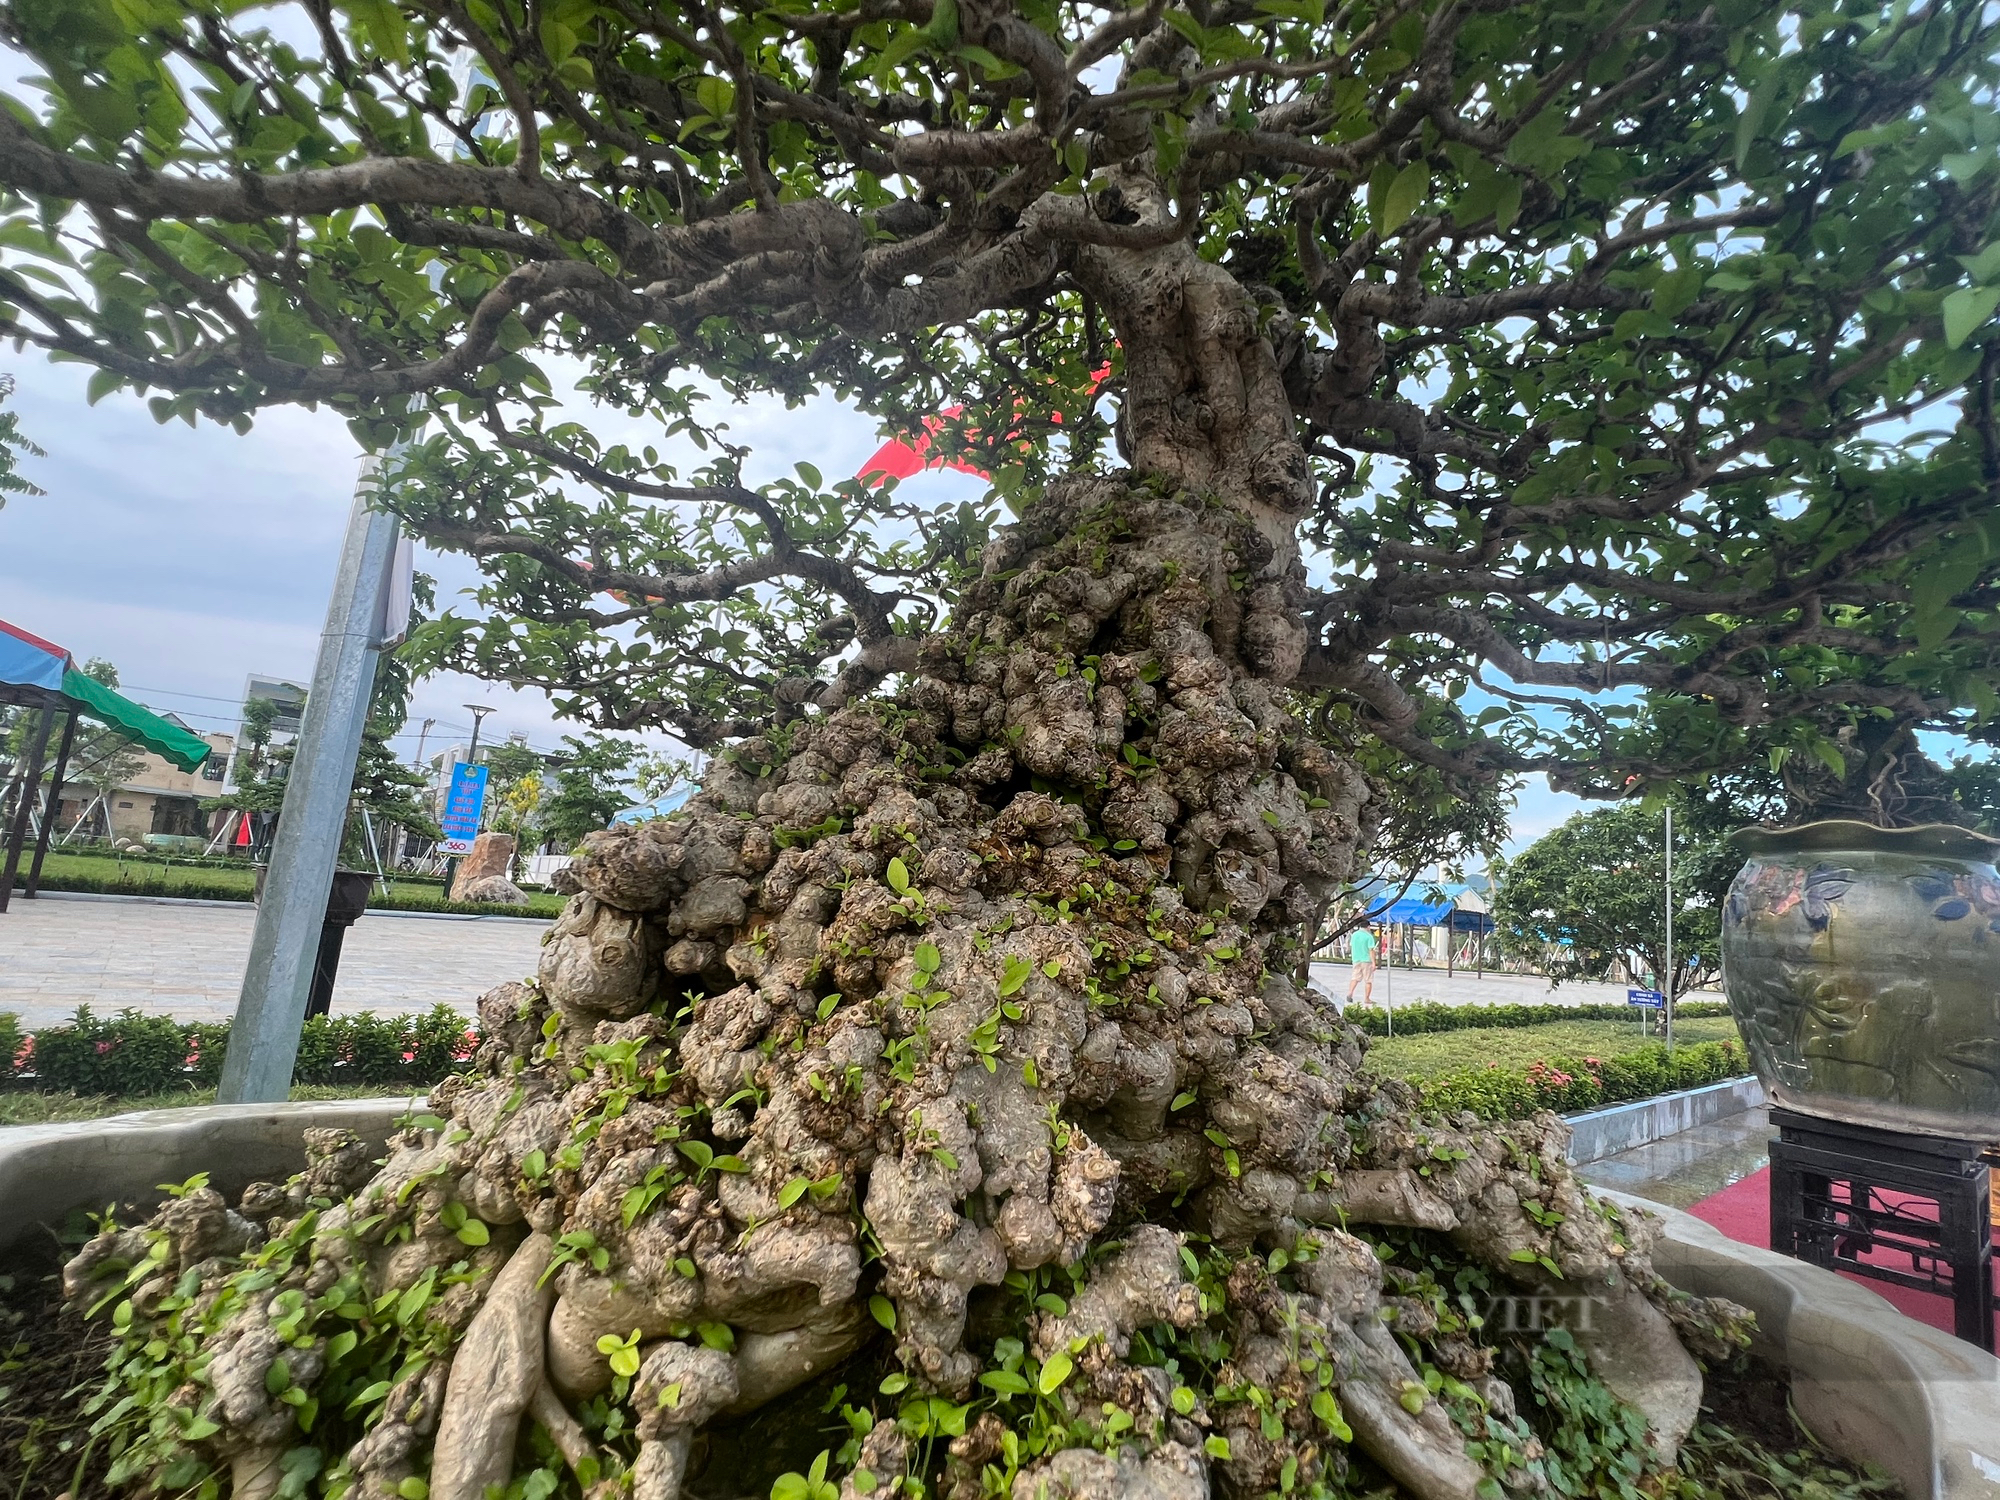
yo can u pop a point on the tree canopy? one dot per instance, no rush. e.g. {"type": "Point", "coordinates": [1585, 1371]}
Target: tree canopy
{"type": "Point", "coordinates": [1592, 893]}
{"type": "Point", "coordinates": [1626, 366]}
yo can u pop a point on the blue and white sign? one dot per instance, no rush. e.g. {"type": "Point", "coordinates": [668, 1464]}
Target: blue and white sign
{"type": "Point", "coordinates": [1645, 997]}
{"type": "Point", "coordinates": [462, 806]}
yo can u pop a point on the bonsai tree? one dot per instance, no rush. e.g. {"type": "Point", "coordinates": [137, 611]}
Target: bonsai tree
{"type": "Point", "coordinates": [1492, 389]}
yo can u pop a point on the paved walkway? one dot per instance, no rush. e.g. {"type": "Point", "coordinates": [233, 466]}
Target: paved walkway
{"type": "Point", "coordinates": [187, 961]}
{"type": "Point", "coordinates": [1468, 987]}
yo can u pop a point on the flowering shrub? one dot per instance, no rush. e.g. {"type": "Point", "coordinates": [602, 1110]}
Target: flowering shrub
{"type": "Point", "coordinates": [130, 1055]}
{"type": "Point", "coordinates": [1567, 1085]}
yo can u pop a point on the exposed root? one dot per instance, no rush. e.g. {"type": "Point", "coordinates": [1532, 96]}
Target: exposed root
{"type": "Point", "coordinates": [494, 1375]}
{"type": "Point", "coordinates": [556, 1419]}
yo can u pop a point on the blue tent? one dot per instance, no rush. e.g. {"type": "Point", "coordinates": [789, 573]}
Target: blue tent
{"type": "Point", "coordinates": [671, 800]}
{"type": "Point", "coordinates": [1435, 908]}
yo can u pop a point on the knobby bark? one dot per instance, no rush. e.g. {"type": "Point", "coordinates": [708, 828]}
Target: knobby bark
{"type": "Point", "coordinates": [989, 978]}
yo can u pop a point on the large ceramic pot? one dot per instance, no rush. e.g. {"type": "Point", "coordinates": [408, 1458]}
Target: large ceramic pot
{"type": "Point", "coordinates": [1863, 968]}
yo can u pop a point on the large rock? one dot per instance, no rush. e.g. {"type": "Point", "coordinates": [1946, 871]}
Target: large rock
{"type": "Point", "coordinates": [486, 868]}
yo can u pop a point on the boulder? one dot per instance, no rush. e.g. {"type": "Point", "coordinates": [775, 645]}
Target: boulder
{"type": "Point", "coordinates": [493, 890]}
{"type": "Point", "coordinates": [492, 857]}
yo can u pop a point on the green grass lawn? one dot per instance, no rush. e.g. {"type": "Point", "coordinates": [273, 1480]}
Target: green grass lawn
{"type": "Point", "coordinates": [1432, 1053]}
{"type": "Point", "coordinates": [25, 1107]}
{"type": "Point", "coordinates": [67, 871]}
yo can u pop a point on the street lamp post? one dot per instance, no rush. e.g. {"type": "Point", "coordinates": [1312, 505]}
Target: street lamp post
{"type": "Point", "coordinates": [1670, 986]}
{"type": "Point", "coordinates": [479, 712]}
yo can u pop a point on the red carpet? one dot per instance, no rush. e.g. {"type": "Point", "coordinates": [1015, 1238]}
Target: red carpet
{"type": "Point", "coordinates": [1743, 1212]}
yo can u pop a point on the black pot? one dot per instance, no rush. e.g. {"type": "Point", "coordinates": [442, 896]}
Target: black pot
{"type": "Point", "coordinates": [345, 902]}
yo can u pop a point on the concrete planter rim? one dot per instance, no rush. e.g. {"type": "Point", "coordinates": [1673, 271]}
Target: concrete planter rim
{"type": "Point", "coordinates": [1869, 1382]}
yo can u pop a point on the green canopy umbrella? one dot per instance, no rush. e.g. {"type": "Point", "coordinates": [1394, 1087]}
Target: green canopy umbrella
{"type": "Point", "coordinates": [35, 673]}
{"type": "Point", "coordinates": [142, 726]}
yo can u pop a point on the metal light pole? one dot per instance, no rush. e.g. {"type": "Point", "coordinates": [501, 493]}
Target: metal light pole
{"type": "Point", "coordinates": [277, 980]}
{"type": "Point", "coordinates": [1670, 986]}
{"type": "Point", "coordinates": [479, 712]}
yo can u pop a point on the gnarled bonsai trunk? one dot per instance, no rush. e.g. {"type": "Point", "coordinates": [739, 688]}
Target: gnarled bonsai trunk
{"type": "Point", "coordinates": [923, 1000]}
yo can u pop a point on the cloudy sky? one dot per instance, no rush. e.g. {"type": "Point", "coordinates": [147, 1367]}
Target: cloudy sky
{"type": "Point", "coordinates": [191, 557]}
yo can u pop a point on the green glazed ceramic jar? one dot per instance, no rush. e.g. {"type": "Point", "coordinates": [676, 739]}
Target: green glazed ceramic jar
{"type": "Point", "coordinates": [1863, 968]}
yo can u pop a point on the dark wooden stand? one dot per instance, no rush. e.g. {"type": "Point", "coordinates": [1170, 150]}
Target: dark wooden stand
{"type": "Point", "coordinates": [1950, 1255]}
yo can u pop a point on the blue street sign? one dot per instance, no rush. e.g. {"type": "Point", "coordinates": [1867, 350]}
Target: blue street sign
{"type": "Point", "coordinates": [462, 806]}
{"type": "Point", "coordinates": [1645, 997]}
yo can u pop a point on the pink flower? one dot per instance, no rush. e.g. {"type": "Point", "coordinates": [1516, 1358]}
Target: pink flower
{"type": "Point", "coordinates": [102, 1048]}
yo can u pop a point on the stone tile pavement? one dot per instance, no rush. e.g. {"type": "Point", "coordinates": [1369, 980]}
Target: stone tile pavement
{"type": "Point", "coordinates": [1468, 987]}
{"type": "Point", "coordinates": [187, 960]}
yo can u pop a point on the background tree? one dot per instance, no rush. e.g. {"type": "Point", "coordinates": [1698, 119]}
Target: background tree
{"type": "Point", "coordinates": [593, 779]}
{"type": "Point", "coordinates": [1536, 385]}
{"type": "Point", "coordinates": [1592, 894]}
{"type": "Point", "coordinates": [14, 445]}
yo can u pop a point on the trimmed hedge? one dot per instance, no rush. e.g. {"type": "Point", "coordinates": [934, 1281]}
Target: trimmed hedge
{"type": "Point", "coordinates": [132, 1055]}
{"type": "Point", "coordinates": [1567, 1085]}
{"type": "Point", "coordinates": [1411, 1020]}
{"type": "Point", "coordinates": [208, 884]}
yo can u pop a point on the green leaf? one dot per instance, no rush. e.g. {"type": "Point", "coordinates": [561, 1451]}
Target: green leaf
{"type": "Point", "coordinates": [383, 26]}
{"type": "Point", "coordinates": [717, 1336]}
{"type": "Point", "coordinates": [1006, 1382]}
{"type": "Point", "coordinates": [1327, 1409]}
{"type": "Point", "coordinates": [716, 96]}
{"type": "Point", "coordinates": [1216, 1447]}
{"type": "Point", "coordinates": [1751, 121]}
{"type": "Point", "coordinates": [1965, 310]}
{"type": "Point", "coordinates": [1013, 974]}
{"type": "Point", "coordinates": [1055, 1370]}
{"type": "Point", "coordinates": [473, 1232]}
{"type": "Point", "coordinates": [792, 1191]}
{"type": "Point", "coordinates": [884, 1311]}
{"type": "Point", "coordinates": [1405, 195]}
{"type": "Point", "coordinates": [899, 876]}
{"type": "Point", "coordinates": [698, 1152]}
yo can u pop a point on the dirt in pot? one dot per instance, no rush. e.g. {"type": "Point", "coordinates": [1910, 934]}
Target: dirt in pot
{"type": "Point", "coordinates": [1749, 1444]}
{"type": "Point", "coordinates": [51, 1363]}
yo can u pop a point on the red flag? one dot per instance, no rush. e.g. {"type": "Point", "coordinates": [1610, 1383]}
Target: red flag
{"type": "Point", "coordinates": [899, 458]}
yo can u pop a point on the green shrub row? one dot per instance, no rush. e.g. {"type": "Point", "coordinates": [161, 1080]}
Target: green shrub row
{"type": "Point", "coordinates": [1427, 1016]}
{"type": "Point", "coordinates": [1567, 1085]}
{"type": "Point", "coordinates": [132, 1055]}
{"type": "Point", "coordinates": [189, 883]}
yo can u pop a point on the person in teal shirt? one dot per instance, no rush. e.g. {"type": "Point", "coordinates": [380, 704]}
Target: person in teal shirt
{"type": "Point", "coordinates": [1361, 950]}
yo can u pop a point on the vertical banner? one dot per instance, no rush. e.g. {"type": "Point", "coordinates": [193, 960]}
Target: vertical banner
{"type": "Point", "coordinates": [462, 806]}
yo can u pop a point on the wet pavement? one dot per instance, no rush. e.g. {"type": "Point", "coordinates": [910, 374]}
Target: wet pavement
{"type": "Point", "coordinates": [1691, 1165]}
